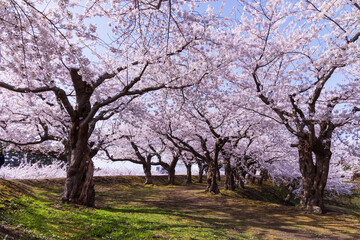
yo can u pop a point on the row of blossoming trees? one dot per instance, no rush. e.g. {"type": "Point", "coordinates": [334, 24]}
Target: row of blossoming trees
{"type": "Point", "coordinates": [274, 84]}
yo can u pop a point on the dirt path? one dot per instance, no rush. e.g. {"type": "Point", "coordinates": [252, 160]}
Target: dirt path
{"type": "Point", "coordinates": [271, 220]}
{"type": "Point", "coordinates": [243, 216]}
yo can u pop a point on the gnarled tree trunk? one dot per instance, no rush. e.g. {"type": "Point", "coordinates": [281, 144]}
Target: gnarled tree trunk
{"type": "Point", "coordinates": [253, 176]}
{"type": "Point", "coordinates": [147, 171]}
{"type": "Point", "coordinates": [79, 185]}
{"type": "Point", "coordinates": [263, 176]}
{"type": "Point", "coordinates": [314, 175]}
{"type": "Point", "coordinates": [188, 173]}
{"type": "Point", "coordinates": [171, 169]}
{"type": "Point", "coordinates": [171, 176]}
{"type": "Point", "coordinates": [240, 175]}
{"type": "Point", "coordinates": [201, 171]}
{"type": "Point", "coordinates": [212, 185]}
{"type": "Point", "coordinates": [229, 176]}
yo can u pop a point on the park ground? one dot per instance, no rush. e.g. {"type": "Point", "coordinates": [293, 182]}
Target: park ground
{"type": "Point", "coordinates": [126, 209]}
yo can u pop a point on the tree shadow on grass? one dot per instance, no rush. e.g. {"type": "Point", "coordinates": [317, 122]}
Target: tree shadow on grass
{"type": "Point", "coordinates": [235, 214]}
{"type": "Point", "coordinates": [242, 220]}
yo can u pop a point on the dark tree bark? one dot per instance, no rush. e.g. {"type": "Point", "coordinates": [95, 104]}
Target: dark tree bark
{"type": "Point", "coordinates": [229, 176]}
{"type": "Point", "coordinates": [79, 185]}
{"type": "Point", "coordinates": [213, 164]}
{"type": "Point", "coordinates": [241, 183]}
{"type": "Point", "coordinates": [252, 176]}
{"type": "Point", "coordinates": [263, 176]}
{"type": "Point", "coordinates": [240, 175]}
{"type": "Point", "coordinates": [356, 174]}
{"type": "Point", "coordinates": [188, 173]}
{"type": "Point", "coordinates": [142, 157]}
{"type": "Point", "coordinates": [171, 176]}
{"type": "Point", "coordinates": [212, 185]}
{"type": "Point", "coordinates": [315, 174]}
{"type": "Point", "coordinates": [218, 174]}
{"type": "Point", "coordinates": [171, 171]}
{"type": "Point", "coordinates": [201, 171]}
{"type": "Point", "coordinates": [147, 170]}
{"type": "Point", "coordinates": [170, 168]}
{"type": "Point", "coordinates": [206, 155]}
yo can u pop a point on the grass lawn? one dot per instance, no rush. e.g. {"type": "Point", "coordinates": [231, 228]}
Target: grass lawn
{"type": "Point", "coordinates": [126, 209]}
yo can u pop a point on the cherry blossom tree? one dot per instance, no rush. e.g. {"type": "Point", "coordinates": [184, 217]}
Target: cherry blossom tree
{"type": "Point", "coordinates": [58, 55]}
{"type": "Point", "coordinates": [175, 155]}
{"type": "Point", "coordinates": [193, 123]}
{"type": "Point", "coordinates": [189, 160]}
{"type": "Point", "coordinates": [41, 125]}
{"type": "Point", "coordinates": [292, 53]}
{"type": "Point", "coordinates": [129, 139]}
{"type": "Point", "coordinates": [139, 155]}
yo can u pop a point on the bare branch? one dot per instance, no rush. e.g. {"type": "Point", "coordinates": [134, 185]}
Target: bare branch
{"type": "Point", "coordinates": [111, 157]}
{"type": "Point", "coordinates": [329, 18]}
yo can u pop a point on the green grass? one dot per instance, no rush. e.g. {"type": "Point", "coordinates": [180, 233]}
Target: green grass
{"type": "Point", "coordinates": [53, 220]}
{"type": "Point", "coordinates": [128, 210]}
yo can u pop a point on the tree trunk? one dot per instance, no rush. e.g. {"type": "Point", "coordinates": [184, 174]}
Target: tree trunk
{"type": "Point", "coordinates": [263, 176]}
{"type": "Point", "coordinates": [188, 173]}
{"type": "Point", "coordinates": [79, 184]}
{"type": "Point", "coordinates": [212, 185]}
{"type": "Point", "coordinates": [171, 176]}
{"type": "Point", "coordinates": [229, 176]}
{"type": "Point", "coordinates": [171, 170]}
{"type": "Point", "coordinates": [253, 176]}
{"type": "Point", "coordinates": [240, 175]}
{"type": "Point", "coordinates": [241, 184]}
{"type": "Point", "coordinates": [201, 171]}
{"type": "Point", "coordinates": [218, 174]}
{"type": "Point", "coordinates": [314, 176]}
{"type": "Point", "coordinates": [147, 171]}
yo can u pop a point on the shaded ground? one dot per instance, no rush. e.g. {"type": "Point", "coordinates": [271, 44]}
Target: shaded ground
{"type": "Point", "coordinates": [231, 215]}
{"type": "Point", "coordinates": [262, 219]}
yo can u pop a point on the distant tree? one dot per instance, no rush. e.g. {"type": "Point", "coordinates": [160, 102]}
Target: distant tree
{"type": "Point", "coordinates": [169, 166]}
{"type": "Point", "coordinates": [188, 160]}
{"type": "Point", "coordinates": [139, 156]}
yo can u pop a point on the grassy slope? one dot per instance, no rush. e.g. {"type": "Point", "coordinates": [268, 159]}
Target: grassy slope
{"type": "Point", "coordinates": [128, 210]}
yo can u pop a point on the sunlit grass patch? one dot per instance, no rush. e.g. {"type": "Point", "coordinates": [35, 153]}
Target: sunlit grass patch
{"type": "Point", "coordinates": [129, 222]}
